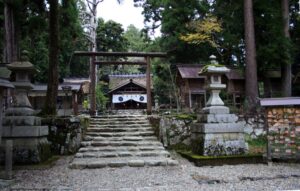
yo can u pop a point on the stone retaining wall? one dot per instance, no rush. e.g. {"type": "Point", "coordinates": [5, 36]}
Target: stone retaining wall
{"type": "Point", "coordinates": [65, 134]}
{"type": "Point", "coordinates": [174, 131]}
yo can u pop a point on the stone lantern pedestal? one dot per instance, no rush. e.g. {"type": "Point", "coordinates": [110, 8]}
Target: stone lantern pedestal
{"type": "Point", "coordinates": [217, 132]}
{"type": "Point", "coordinates": [20, 124]}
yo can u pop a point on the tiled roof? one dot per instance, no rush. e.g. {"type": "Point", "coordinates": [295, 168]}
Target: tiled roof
{"type": "Point", "coordinates": [190, 71]}
{"type": "Point", "coordinates": [43, 87]}
{"type": "Point", "coordinates": [115, 81]}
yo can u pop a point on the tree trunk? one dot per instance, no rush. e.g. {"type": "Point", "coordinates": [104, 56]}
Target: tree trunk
{"type": "Point", "coordinates": [10, 38]}
{"type": "Point", "coordinates": [52, 90]}
{"type": "Point", "coordinates": [286, 67]}
{"type": "Point", "coordinates": [251, 66]}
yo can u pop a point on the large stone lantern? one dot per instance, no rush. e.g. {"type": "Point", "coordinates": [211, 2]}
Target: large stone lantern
{"type": "Point", "coordinates": [20, 124]}
{"type": "Point", "coordinates": [217, 132]}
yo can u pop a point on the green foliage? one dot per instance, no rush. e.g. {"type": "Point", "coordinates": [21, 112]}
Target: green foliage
{"type": "Point", "coordinates": [136, 39]}
{"type": "Point", "coordinates": [183, 116]}
{"type": "Point", "coordinates": [110, 36]}
{"type": "Point", "coordinates": [204, 31]}
{"type": "Point", "coordinates": [101, 98]}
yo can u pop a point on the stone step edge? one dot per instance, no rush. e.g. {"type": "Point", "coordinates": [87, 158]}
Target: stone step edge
{"type": "Point", "coordinates": [119, 149]}
{"type": "Point", "coordinates": [120, 134]}
{"type": "Point", "coordinates": [120, 163]}
{"type": "Point", "coordinates": [106, 155]}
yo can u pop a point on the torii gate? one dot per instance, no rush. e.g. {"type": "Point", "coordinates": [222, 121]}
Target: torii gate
{"type": "Point", "coordinates": [146, 55]}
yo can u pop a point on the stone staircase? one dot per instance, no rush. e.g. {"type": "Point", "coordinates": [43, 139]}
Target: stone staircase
{"type": "Point", "coordinates": [121, 140]}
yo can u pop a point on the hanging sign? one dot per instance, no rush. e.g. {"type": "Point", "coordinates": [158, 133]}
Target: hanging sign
{"type": "Point", "coordinates": [121, 98]}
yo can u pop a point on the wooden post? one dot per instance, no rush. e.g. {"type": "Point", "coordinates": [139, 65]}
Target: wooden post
{"type": "Point", "coordinates": [93, 88]}
{"type": "Point", "coordinates": [148, 76]}
{"type": "Point", "coordinates": [1, 110]}
{"type": "Point", "coordinates": [75, 103]}
{"type": "Point", "coordinates": [8, 159]}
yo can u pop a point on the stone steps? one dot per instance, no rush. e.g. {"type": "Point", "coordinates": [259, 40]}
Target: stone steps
{"type": "Point", "coordinates": [81, 163]}
{"type": "Point", "coordinates": [120, 149]}
{"type": "Point", "coordinates": [119, 129]}
{"type": "Point", "coordinates": [122, 154]}
{"type": "Point", "coordinates": [117, 141]}
{"type": "Point", "coordinates": [119, 126]}
{"type": "Point", "coordinates": [120, 143]}
{"type": "Point", "coordinates": [119, 134]}
{"type": "Point", "coordinates": [123, 138]}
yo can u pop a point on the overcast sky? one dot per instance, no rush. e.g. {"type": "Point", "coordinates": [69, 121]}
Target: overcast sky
{"type": "Point", "coordinates": [124, 13]}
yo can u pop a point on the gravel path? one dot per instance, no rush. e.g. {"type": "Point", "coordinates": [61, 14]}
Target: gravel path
{"type": "Point", "coordinates": [185, 177]}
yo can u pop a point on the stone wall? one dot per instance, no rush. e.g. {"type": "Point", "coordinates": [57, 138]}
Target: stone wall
{"type": "Point", "coordinates": [254, 126]}
{"type": "Point", "coordinates": [65, 134]}
{"type": "Point", "coordinates": [284, 132]}
{"type": "Point", "coordinates": [173, 131]}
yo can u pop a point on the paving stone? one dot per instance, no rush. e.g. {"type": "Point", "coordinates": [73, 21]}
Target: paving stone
{"type": "Point", "coordinates": [97, 164]}
{"type": "Point", "coordinates": [136, 163]}
{"type": "Point", "coordinates": [125, 154]}
{"type": "Point", "coordinates": [117, 164]}
{"type": "Point", "coordinates": [156, 163]}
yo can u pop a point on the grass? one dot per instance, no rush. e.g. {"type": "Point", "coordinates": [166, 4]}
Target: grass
{"type": "Point", "coordinates": [257, 145]}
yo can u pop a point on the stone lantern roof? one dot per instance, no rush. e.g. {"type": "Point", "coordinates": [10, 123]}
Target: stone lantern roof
{"type": "Point", "coordinates": [22, 65]}
{"type": "Point", "coordinates": [5, 84]}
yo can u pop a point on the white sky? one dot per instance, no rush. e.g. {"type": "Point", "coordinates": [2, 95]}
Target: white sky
{"type": "Point", "coordinates": [124, 13]}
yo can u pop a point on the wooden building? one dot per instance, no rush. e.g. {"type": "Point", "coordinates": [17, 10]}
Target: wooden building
{"type": "Point", "coordinates": [192, 92]}
{"type": "Point", "coordinates": [128, 91]}
{"type": "Point", "coordinates": [71, 94]}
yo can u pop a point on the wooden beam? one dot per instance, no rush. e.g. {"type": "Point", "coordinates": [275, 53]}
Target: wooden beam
{"type": "Point", "coordinates": [148, 85]}
{"type": "Point", "coordinates": [121, 54]}
{"type": "Point", "coordinates": [120, 63]}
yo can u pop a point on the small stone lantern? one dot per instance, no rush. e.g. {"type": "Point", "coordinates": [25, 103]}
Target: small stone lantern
{"type": "Point", "coordinates": [214, 74]}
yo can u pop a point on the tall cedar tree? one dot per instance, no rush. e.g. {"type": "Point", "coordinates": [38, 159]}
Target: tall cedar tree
{"type": "Point", "coordinates": [50, 104]}
{"type": "Point", "coordinates": [286, 67]}
{"type": "Point", "coordinates": [10, 45]}
{"type": "Point", "coordinates": [251, 66]}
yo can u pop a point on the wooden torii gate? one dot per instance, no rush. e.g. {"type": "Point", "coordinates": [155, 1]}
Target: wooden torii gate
{"type": "Point", "coordinates": [147, 57]}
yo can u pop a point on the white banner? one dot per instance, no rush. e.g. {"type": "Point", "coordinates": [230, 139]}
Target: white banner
{"type": "Point", "coordinates": [121, 98]}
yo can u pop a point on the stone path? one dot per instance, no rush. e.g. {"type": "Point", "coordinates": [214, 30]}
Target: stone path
{"type": "Point", "coordinates": [121, 140]}
{"type": "Point", "coordinates": [183, 177]}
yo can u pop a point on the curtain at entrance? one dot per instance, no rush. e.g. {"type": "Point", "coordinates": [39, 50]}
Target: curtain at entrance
{"type": "Point", "coordinates": [121, 98]}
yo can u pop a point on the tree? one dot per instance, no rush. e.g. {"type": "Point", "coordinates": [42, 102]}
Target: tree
{"type": "Point", "coordinates": [167, 14]}
{"type": "Point", "coordinates": [137, 42]}
{"type": "Point", "coordinates": [251, 66]}
{"type": "Point", "coordinates": [110, 36]}
{"type": "Point", "coordinates": [286, 66]}
{"type": "Point", "coordinates": [10, 34]}
{"type": "Point", "coordinates": [50, 103]}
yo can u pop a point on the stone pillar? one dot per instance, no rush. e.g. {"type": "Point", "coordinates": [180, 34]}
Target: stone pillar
{"type": "Point", "coordinates": [20, 123]}
{"type": "Point", "coordinates": [217, 132]}
{"type": "Point", "coordinates": [4, 84]}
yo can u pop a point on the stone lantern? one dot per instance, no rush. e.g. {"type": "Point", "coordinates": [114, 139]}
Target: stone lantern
{"type": "Point", "coordinates": [20, 124]}
{"type": "Point", "coordinates": [217, 132]}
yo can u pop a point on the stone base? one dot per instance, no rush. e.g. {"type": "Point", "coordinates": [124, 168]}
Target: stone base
{"type": "Point", "coordinates": [27, 151]}
{"type": "Point", "coordinates": [220, 134]}
{"type": "Point", "coordinates": [216, 110]}
{"type": "Point", "coordinates": [218, 144]}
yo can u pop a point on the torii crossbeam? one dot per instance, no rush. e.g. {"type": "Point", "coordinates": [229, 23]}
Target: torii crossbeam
{"type": "Point", "coordinates": [146, 55]}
